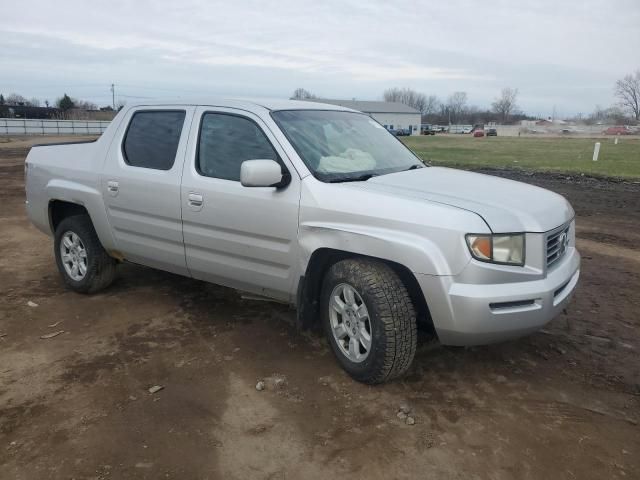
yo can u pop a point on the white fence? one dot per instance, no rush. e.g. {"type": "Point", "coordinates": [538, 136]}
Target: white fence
{"type": "Point", "coordinates": [19, 126]}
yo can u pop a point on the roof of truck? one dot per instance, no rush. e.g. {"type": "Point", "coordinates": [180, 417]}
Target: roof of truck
{"type": "Point", "coordinates": [245, 103]}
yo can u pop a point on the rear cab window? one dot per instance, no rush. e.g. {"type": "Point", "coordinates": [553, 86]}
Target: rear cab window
{"type": "Point", "coordinates": [152, 138]}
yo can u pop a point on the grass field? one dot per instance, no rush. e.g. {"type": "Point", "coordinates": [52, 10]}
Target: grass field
{"type": "Point", "coordinates": [568, 155]}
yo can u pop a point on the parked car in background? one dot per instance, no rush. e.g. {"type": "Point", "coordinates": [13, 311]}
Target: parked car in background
{"type": "Point", "coordinates": [399, 132]}
{"type": "Point", "coordinates": [426, 129]}
{"type": "Point", "coordinates": [314, 205]}
{"type": "Point", "coordinates": [492, 132]}
{"type": "Point", "coordinates": [462, 129]}
{"type": "Point", "coordinates": [618, 130]}
{"type": "Point", "coordinates": [478, 133]}
{"type": "Point", "coordinates": [571, 131]}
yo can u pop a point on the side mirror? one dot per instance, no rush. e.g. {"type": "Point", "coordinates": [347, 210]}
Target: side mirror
{"type": "Point", "coordinates": [263, 173]}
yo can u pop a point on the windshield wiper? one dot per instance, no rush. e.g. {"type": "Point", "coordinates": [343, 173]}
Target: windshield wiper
{"type": "Point", "coordinates": [413, 167]}
{"type": "Point", "coordinates": [356, 178]}
{"type": "Point", "coordinates": [366, 176]}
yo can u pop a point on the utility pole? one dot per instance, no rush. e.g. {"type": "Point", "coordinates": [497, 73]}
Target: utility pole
{"type": "Point", "coordinates": [113, 96]}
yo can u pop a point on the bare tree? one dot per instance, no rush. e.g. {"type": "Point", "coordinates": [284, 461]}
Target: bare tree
{"type": "Point", "coordinates": [628, 92]}
{"type": "Point", "coordinates": [16, 99]}
{"type": "Point", "coordinates": [456, 105]}
{"type": "Point", "coordinates": [302, 94]}
{"type": "Point", "coordinates": [407, 96]}
{"type": "Point", "coordinates": [431, 105]}
{"type": "Point", "coordinates": [84, 105]}
{"type": "Point", "coordinates": [419, 102]}
{"type": "Point", "coordinates": [505, 104]}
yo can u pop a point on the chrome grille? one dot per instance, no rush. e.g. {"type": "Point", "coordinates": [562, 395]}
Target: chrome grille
{"type": "Point", "coordinates": [557, 244]}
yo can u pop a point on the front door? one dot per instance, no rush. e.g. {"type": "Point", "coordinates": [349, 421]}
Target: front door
{"type": "Point", "coordinates": [242, 237]}
{"type": "Point", "coordinates": [141, 186]}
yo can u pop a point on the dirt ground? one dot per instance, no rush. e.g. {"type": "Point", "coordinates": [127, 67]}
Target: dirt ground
{"type": "Point", "coordinates": [561, 404]}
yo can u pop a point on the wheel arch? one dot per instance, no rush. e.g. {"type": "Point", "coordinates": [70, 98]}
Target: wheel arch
{"type": "Point", "coordinates": [87, 197]}
{"type": "Point", "coordinates": [310, 286]}
{"type": "Point", "coordinates": [58, 210]}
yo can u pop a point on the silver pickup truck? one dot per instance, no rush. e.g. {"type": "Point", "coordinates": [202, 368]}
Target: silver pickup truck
{"type": "Point", "coordinates": [315, 205]}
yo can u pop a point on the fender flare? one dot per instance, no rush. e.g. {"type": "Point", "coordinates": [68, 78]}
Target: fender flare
{"type": "Point", "coordinates": [88, 197]}
{"type": "Point", "coordinates": [407, 254]}
{"type": "Point", "coordinates": [418, 254]}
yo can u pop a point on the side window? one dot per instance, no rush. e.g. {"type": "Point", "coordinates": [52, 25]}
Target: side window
{"type": "Point", "coordinates": [152, 139]}
{"type": "Point", "coordinates": [228, 140]}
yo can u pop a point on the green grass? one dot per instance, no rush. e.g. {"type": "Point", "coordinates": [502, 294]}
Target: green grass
{"type": "Point", "coordinates": [566, 155]}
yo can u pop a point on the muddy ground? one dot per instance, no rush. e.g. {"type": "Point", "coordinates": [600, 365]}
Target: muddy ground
{"type": "Point", "coordinates": [561, 404]}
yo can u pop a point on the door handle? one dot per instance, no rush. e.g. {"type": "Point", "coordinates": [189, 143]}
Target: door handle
{"type": "Point", "coordinates": [196, 199]}
{"type": "Point", "coordinates": [113, 187]}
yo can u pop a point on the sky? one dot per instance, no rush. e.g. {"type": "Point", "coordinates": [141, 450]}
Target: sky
{"type": "Point", "coordinates": [560, 55]}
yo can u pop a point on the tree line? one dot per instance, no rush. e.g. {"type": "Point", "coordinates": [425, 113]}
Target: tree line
{"type": "Point", "coordinates": [455, 109]}
{"type": "Point", "coordinates": [64, 103]}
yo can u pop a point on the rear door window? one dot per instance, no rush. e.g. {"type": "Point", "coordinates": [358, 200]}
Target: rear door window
{"type": "Point", "coordinates": [152, 139]}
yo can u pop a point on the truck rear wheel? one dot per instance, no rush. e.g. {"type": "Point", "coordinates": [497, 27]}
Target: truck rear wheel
{"type": "Point", "coordinates": [369, 320]}
{"type": "Point", "coordinates": [83, 263]}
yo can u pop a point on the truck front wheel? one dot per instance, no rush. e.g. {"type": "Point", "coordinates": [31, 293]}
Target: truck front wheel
{"type": "Point", "coordinates": [83, 263]}
{"type": "Point", "coordinates": [369, 320]}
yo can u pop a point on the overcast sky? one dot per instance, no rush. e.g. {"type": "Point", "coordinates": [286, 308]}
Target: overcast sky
{"type": "Point", "coordinates": [566, 54]}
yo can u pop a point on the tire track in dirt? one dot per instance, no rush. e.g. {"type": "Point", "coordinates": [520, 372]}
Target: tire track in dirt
{"type": "Point", "coordinates": [600, 248]}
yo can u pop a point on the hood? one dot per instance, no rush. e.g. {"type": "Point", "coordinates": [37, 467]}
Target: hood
{"type": "Point", "coordinates": [505, 205]}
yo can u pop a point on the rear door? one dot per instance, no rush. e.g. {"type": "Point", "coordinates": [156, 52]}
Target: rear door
{"type": "Point", "coordinates": [242, 237]}
{"type": "Point", "coordinates": [141, 186]}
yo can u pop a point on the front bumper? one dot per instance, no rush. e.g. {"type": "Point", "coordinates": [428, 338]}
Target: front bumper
{"type": "Point", "coordinates": [477, 314]}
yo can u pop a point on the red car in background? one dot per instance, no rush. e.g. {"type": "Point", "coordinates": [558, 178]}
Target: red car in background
{"type": "Point", "coordinates": [478, 133]}
{"type": "Point", "coordinates": [618, 130]}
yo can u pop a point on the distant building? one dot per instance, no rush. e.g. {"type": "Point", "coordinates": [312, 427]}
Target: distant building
{"type": "Point", "coordinates": [528, 123]}
{"type": "Point", "coordinates": [550, 121]}
{"type": "Point", "coordinates": [392, 115]}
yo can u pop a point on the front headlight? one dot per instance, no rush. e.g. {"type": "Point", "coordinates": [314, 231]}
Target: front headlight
{"type": "Point", "coordinates": [500, 248]}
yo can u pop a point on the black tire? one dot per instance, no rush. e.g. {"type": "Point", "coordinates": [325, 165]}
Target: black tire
{"type": "Point", "coordinates": [101, 268]}
{"type": "Point", "coordinates": [391, 313]}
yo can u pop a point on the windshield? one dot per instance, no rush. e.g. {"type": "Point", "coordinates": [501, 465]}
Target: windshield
{"type": "Point", "coordinates": [344, 146]}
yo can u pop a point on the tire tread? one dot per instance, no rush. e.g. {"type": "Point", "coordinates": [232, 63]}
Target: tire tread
{"type": "Point", "coordinates": [396, 315]}
{"type": "Point", "coordinates": [102, 271]}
